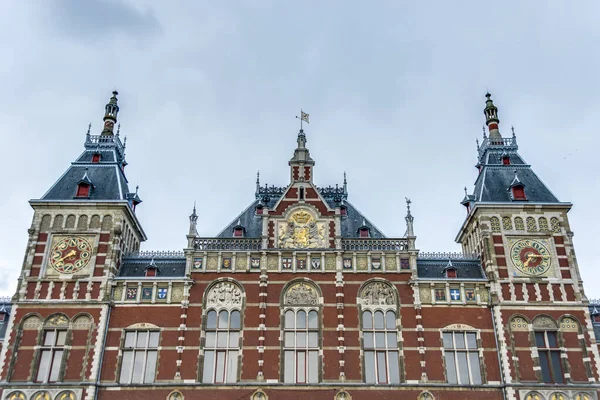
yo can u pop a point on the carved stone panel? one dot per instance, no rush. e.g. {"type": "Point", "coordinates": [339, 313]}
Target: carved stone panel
{"type": "Point", "coordinates": [301, 231]}
{"type": "Point", "coordinates": [301, 294]}
{"type": "Point", "coordinates": [224, 294]}
{"type": "Point", "coordinates": [378, 294]}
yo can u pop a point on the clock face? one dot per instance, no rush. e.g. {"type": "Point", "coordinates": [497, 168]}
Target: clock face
{"type": "Point", "coordinates": [70, 255]}
{"type": "Point", "coordinates": [530, 257]}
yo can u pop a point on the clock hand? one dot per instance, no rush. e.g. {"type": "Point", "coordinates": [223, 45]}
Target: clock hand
{"type": "Point", "coordinates": [69, 254]}
{"type": "Point", "coordinates": [530, 258]}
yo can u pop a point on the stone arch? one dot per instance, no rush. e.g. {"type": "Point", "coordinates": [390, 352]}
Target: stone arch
{"type": "Point", "coordinates": [106, 223]}
{"type": "Point", "coordinates": [544, 322]}
{"type": "Point", "coordinates": [519, 322]}
{"type": "Point", "coordinates": [373, 292]}
{"type": "Point", "coordinates": [259, 395]}
{"type": "Point", "coordinates": [70, 222]}
{"type": "Point", "coordinates": [66, 395]}
{"type": "Point", "coordinates": [58, 222]}
{"type": "Point", "coordinates": [301, 292]}
{"type": "Point", "coordinates": [583, 396]}
{"type": "Point", "coordinates": [46, 221]}
{"type": "Point", "coordinates": [495, 224]}
{"type": "Point", "coordinates": [82, 223]}
{"type": "Point", "coordinates": [175, 395]}
{"type": "Point", "coordinates": [519, 225]}
{"type": "Point", "coordinates": [224, 293]}
{"type": "Point", "coordinates": [568, 323]}
{"type": "Point", "coordinates": [18, 395]}
{"type": "Point", "coordinates": [543, 224]}
{"type": "Point", "coordinates": [41, 395]}
{"type": "Point", "coordinates": [534, 396]}
{"type": "Point", "coordinates": [555, 225]}
{"type": "Point", "coordinates": [426, 395]}
{"type": "Point", "coordinates": [558, 396]}
{"type": "Point", "coordinates": [57, 319]}
{"type": "Point", "coordinates": [531, 225]}
{"type": "Point", "coordinates": [342, 395]}
{"type": "Point", "coordinates": [95, 222]}
{"type": "Point", "coordinates": [82, 321]}
{"type": "Point", "coordinates": [31, 322]}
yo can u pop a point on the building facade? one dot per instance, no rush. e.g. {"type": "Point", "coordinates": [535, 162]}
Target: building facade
{"type": "Point", "coordinates": [301, 296]}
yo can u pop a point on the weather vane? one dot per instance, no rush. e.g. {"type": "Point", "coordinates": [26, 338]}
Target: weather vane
{"type": "Point", "coordinates": [303, 117]}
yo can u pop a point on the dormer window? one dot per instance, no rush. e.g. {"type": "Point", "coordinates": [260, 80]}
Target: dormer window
{"type": "Point", "coordinates": [518, 193]}
{"type": "Point", "coordinates": [363, 232]}
{"type": "Point", "coordinates": [344, 211]}
{"type": "Point", "coordinates": [238, 232]}
{"type": "Point", "coordinates": [151, 270]}
{"type": "Point", "coordinates": [301, 195]}
{"type": "Point", "coordinates": [83, 190]}
{"type": "Point", "coordinates": [96, 158]}
{"type": "Point", "coordinates": [596, 318]}
{"type": "Point", "coordinates": [259, 209]}
{"type": "Point", "coordinates": [2, 316]}
{"type": "Point", "coordinates": [505, 160]}
{"type": "Point", "coordinates": [451, 273]}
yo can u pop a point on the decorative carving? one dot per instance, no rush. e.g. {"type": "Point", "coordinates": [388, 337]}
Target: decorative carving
{"type": "Point", "coordinates": [330, 263]}
{"type": "Point", "coordinates": [544, 323]}
{"type": "Point", "coordinates": [211, 264]}
{"type": "Point", "coordinates": [224, 294]}
{"type": "Point", "coordinates": [118, 293]}
{"type": "Point", "coordinates": [378, 294]}
{"type": "Point", "coordinates": [175, 395]}
{"type": "Point", "coordinates": [57, 319]}
{"type": "Point", "coordinates": [534, 396]}
{"type": "Point", "coordinates": [272, 263]}
{"type": "Point", "coordinates": [426, 396]}
{"type": "Point", "coordinates": [16, 396]}
{"type": "Point", "coordinates": [425, 295]}
{"type": "Point", "coordinates": [459, 327]}
{"type": "Point", "coordinates": [361, 263]}
{"type": "Point", "coordinates": [301, 294]}
{"type": "Point", "coordinates": [543, 223]}
{"type": "Point", "coordinates": [583, 396]}
{"type": "Point", "coordinates": [142, 325]}
{"type": "Point", "coordinates": [390, 263]}
{"type": "Point", "coordinates": [342, 395]}
{"type": "Point", "coordinates": [33, 322]}
{"type": "Point", "coordinates": [41, 396]}
{"type": "Point", "coordinates": [519, 324]}
{"type": "Point", "coordinates": [495, 223]}
{"type": "Point", "coordinates": [375, 244]}
{"type": "Point", "coordinates": [555, 225]}
{"type": "Point", "coordinates": [447, 255]}
{"type": "Point", "coordinates": [558, 396]}
{"type": "Point", "coordinates": [68, 395]}
{"type": "Point", "coordinates": [519, 225]}
{"type": "Point", "coordinates": [177, 293]}
{"type": "Point", "coordinates": [82, 322]}
{"type": "Point", "coordinates": [301, 231]}
{"type": "Point", "coordinates": [507, 224]}
{"type": "Point", "coordinates": [568, 324]}
{"type": "Point", "coordinates": [531, 225]}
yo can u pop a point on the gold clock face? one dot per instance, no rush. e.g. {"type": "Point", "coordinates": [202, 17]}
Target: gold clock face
{"type": "Point", "coordinates": [530, 257]}
{"type": "Point", "coordinates": [70, 255]}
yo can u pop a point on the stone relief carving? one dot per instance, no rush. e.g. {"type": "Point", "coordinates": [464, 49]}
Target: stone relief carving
{"type": "Point", "coordinates": [57, 319]}
{"type": "Point", "coordinates": [301, 231]}
{"type": "Point", "coordinates": [544, 322]}
{"type": "Point", "coordinates": [301, 294]}
{"type": "Point", "coordinates": [224, 294]}
{"type": "Point", "coordinates": [378, 293]}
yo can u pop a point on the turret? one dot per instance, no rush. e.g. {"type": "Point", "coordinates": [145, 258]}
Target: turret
{"type": "Point", "coordinates": [110, 115]}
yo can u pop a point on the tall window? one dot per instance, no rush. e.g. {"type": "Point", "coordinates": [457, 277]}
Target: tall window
{"type": "Point", "coordinates": [549, 354]}
{"type": "Point", "coordinates": [380, 343]}
{"type": "Point", "coordinates": [140, 351]}
{"type": "Point", "coordinates": [301, 346]}
{"type": "Point", "coordinates": [462, 358]}
{"type": "Point", "coordinates": [51, 355]}
{"type": "Point", "coordinates": [221, 347]}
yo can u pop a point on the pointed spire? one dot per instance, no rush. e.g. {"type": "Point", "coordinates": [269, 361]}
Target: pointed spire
{"type": "Point", "coordinates": [409, 219]}
{"type": "Point", "coordinates": [477, 143]}
{"type": "Point", "coordinates": [301, 163]}
{"type": "Point", "coordinates": [193, 222]}
{"type": "Point", "coordinates": [118, 129]}
{"type": "Point", "coordinates": [491, 117]}
{"type": "Point", "coordinates": [110, 114]}
{"type": "Point", "coordinates": [257, 182]}
{"type": "Point", "coordinates": [345, 184]}
{"type": "Point", "coordinates": [484, 134]}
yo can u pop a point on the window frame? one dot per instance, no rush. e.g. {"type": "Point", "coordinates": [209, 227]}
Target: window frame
{"type": "Point", "coordinates": [52, 349]}
{"type": "Point", "coordinates": [478, 350]}
{"type": "Point", "coordinates": [385, 350]}
{"type": "Point", "coordinates": [134, 350]}
{"type": "Point", "coordinates": [216, 349]}
{"type": "Point", "coordinates": [549, 351]}
{"type": "Point", "coordinates": [305, 350]}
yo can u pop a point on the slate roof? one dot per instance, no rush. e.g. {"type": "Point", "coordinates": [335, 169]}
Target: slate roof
{"type": "Point", "coordinates": [435, 269]}
{"type": "Point", "coordinates": [252, 222]}
{"type": "Point", "coordinates": [4, 307]}
{"type": "Point", "coordinates": [167, 267]}
{"type": "Point", "coordinates": [494, 180]}
{"type": "Point", "coordinates": [107, 177]}
{"type": "Point", "coordinates": [595, 310]}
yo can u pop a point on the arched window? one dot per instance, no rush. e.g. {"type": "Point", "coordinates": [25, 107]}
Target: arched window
{"type": "Point", "coordinates": [548, 348]}
{"type": "Point", "coordinates": [379, 333]}
{"type": "Point", "coordinates": [461, 356]}
{"type": "Point", "coordinates": [301, 334]}
{"type": "Point", "coordinates": [222, 332]}
{"type": "Point", "coordinates": [52, 349]}
{"type": "Point", "coordinates": [140, 354]}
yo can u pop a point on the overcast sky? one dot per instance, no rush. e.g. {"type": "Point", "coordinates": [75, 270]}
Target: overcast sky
{"type": "Point", "coordinates": [209, 92]}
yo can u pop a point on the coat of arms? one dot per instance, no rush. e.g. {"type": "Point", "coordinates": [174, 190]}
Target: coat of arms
{"type": "Point", "coordinates": [286, 263]}
{"type": "Point", "coordinates": [315, 263]}
{"type": "Point", "coordinates": [301, 231]}
{"type": "Point", "coordinates": [227, 263]}
{"type": "Point", "coordinates": [255, 263]}
{"type": "Point", "coordinates": [376, 263]}
{"type": "Point", "coordinates": [301, 263]}
{"type": "Point", "coordinates": [198, 263]}
{"type": "Point", "coordinates": [347, 263]}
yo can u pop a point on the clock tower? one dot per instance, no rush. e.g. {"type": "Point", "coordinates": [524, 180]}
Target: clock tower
{"type": "Point", "coordinates": [80, 228]}
{"type": "Point", "coordinates": [521, 231]}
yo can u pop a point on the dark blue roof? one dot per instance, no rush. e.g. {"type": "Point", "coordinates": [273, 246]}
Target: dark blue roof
{"type": "Point", "coordinates": [429, 268]}
{"type": "Point", "coordinates": [167, 267]}
{"type": "Point", "coordinates": [5, 307]}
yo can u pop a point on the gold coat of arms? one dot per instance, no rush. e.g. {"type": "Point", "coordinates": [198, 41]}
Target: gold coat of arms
{"type": "Point", "coordinates": [301, 231]}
